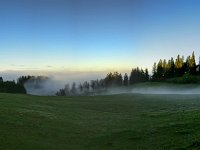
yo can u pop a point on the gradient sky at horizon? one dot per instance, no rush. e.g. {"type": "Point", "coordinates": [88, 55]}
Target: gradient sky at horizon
{"type": "Point", "coordinates": [96, 35]}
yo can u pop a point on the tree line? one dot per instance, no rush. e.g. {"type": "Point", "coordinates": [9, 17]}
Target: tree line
{"type": "Point", "coordinates": [161, 71]}
{"type": "Point", "coordinates": [111, 80]}
{"type": "Point", "coordinates": [11, 87]}
{"type": "Point", "coordinates": [19, 85]}
{"type": "Point", "coordinates": [169, 69]}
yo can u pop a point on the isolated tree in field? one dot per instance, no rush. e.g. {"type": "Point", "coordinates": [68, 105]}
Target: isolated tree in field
{"type": "Point", "coordinates": [126, 79]}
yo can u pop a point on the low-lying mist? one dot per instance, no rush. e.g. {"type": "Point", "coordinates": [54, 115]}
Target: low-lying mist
{"type": "Point", "coordinates": [56, 79]}
{"type": "Point", "coordinates": [51, 86]}
{"type": "Point", "coordinates": [162, 89]}
{"type": "Point", "coordinates": [167, 90]}
{"type": "Point", "coordinates": [44, 88]}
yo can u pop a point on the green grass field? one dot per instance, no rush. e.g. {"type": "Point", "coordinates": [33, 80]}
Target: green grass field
{"type": "Point", "coordinates": [118, 122]}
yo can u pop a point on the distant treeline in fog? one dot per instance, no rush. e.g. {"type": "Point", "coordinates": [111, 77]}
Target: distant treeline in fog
{"type": "Point", "coordinates": [179, 71]}
{"type": "Point", "coordinates": [111, 80]}
{"type": "Point", "coordinates": [11, 87]}
{"type": "Point", "coordinates": [23, 85]}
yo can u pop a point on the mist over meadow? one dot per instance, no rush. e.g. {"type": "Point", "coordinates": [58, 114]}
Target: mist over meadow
{"type": "Point", "coordinates": [182, 74]}
{"type": "Point", "coordinates": [50, 87]}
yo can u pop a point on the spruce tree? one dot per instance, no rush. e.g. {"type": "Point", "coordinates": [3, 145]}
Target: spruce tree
{"type": "Point", "coordinates": [192, 65]}
{"type": "Point", "coordinates": [154, 71]}
{"type": "Point", "coordinates": [146, 75]}
{"type": "Point", "coordinates": [125, 79]}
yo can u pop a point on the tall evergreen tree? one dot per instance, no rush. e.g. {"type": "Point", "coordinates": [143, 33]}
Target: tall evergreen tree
{"type": "Point", "coordinates": [160, 70]}
{"type": "Point", "coordinates": [179, 66]}
{"type": "Point", "coordinates": [146, 75]}
{"type": "Point", "coordinates": [73, 90]}
{"type": "Point", "coordinates": [154, 71]}
{"type": "Point", "coordinates": [126, 79]}
{"type": "Point", "coordinates": [1, 79]}
{"type": "Point", "coordinates": [165, 67]}
{"type": "Point", "coordinates": [137, 75]}
{"type": "Point", "coordinates": [192, 65]}
{"type": "Point", "coordinates": [170, 68]}
{"type": "Point", "coordinates": [66, 90]}
{"type": "Point", "coordinates": [80, 87]}
{"type": "Point", "coordinates": [119, 80]}
{"type": "Point", "coordinates": [198, 68]}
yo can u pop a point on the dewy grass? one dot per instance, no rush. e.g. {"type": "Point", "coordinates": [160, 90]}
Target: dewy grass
{"type": "Point", "coordinates": [126, 121]}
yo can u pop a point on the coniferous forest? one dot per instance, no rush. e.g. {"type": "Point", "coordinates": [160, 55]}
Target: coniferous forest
{"type": "Point", "coordinates": [180, 70]}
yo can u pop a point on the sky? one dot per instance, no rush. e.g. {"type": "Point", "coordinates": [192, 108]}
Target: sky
{"type": "Point", "coordinates": [57, 36]}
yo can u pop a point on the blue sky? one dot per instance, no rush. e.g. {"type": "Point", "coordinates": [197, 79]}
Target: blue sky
{"type": "Point", "coordinates": [95, 35]}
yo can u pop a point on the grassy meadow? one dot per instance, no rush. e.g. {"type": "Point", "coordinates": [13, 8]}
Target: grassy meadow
{"type": "Point", "coordinates": [115, 122]}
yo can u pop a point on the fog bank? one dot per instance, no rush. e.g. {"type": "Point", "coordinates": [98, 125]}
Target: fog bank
{"type": "Point", "coordinates": [44, 88]}
{"type": "Point", "coordinates": [160, 89]}
{"type": "Point", "coordinates": [167, 90]}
